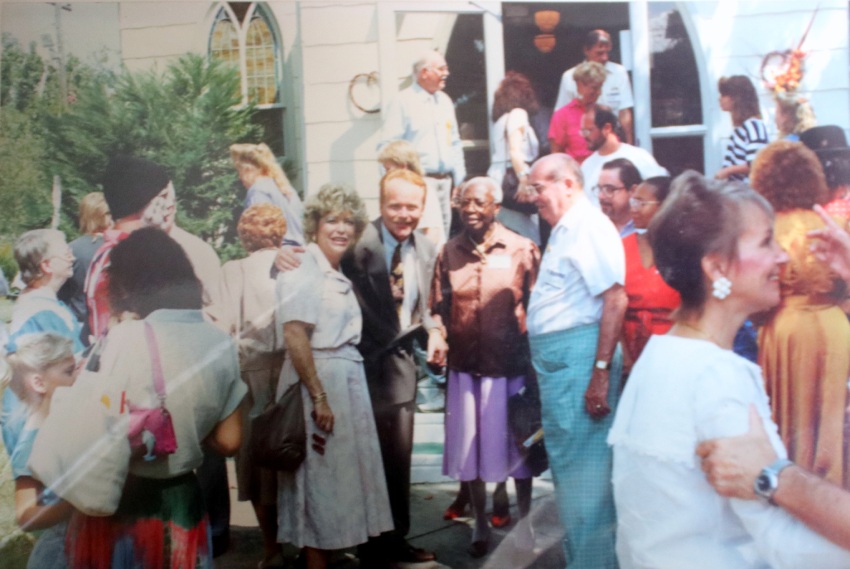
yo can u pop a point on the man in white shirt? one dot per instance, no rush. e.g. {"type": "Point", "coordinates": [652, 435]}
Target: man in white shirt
{"type": "Point", "coordinates": [424, 115]}
{"type": "Point", "coordinates": [574, 319]}
{"type": "Point", "coordinates": [599, 128]}
{"type": "Point", "coordinates": [616, 91]}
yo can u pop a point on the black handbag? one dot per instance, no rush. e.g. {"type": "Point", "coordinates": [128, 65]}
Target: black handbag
{"type": "Point", "coordinates": [524, 421]}
{"type": "Point", "coordinates": [279, 434]}
{"type": "Point", "coordinates": [510, 185]}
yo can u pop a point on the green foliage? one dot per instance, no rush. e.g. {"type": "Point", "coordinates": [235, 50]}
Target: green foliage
{"type": "Point", "coordinates": [184, 119]}
{"type": "Point", "coordinates": [7, 261]}
{"type": "Point", "coordinates": [24, 185]}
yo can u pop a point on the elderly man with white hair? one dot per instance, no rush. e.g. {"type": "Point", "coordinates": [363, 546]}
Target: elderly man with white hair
{"type": "Point", "coordinates": [424, 115]}
{"type": "Point", "coordinates": [481, 288]}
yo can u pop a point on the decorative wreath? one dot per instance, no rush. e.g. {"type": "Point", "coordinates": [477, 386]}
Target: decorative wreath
{"type": "Point", "coordinates": [782, 71]}
{"type": "Point", "coordinates": [367, 82]}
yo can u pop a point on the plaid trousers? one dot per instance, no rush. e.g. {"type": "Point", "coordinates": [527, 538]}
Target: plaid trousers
{"type": "Point", "coordinates": [579, 456]}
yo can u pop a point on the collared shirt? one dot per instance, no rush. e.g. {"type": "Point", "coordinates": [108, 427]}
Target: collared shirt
{"type": "Point", "coordinates": [411, 282]}
{"type": "Point", "coordinates": [583, 259]}
{"type": "Point", "coordinates": [480, 295]}
{"type": "Point", "coordinates": [628, 228]}
{"type": "Point", "coordinates": [616, 90]}
{"type": "Point", "coordinates": [565, 130]}
{"type": "Point", "coordinates": [318, 294]}
{"type": "Point", "coordinates": [429, 123]}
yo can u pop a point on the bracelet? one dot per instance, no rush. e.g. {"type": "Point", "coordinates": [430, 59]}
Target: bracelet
{"type": "Point", "coordinates": [319, 398]}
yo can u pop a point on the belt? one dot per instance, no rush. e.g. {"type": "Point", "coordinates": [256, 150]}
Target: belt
{"type": "Point", "coordinates": [438, 175]}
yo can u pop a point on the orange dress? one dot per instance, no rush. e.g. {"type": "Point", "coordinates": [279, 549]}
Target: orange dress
{"type": "Point", "coordinates": [651, 301]}
{"type": "Point", "coordinates": [804, 352]}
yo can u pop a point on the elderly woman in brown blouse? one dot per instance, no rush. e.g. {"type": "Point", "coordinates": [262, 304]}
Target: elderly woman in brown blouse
{"type": "Point", "coordinates": [482, 283]}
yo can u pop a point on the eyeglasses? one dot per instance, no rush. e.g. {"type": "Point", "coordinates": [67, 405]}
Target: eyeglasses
{"type": "Point", "coordinates": [636, 203]}
{"type": "Point", "coordinates": [477, 204]}
{"type": "Point", "coordinates": [606, 189]}
{"type": "Point", "coordinates": [541, 187]}
{"type": "Point", "coordinates": [440, 69]}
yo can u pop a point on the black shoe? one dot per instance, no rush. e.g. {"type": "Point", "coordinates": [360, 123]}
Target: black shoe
{"type": "Point", "coordinates": [478, 549]}
{"type": "Point", "coordinates": [406, 553]}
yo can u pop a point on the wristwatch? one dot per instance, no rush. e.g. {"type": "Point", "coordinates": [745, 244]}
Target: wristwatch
{"type": "Point", "coordinates": [768, 480]}
{"type": "Point", "coordinates": [602, 364]}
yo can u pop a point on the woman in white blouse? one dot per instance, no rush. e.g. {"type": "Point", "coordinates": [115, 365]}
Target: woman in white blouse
{"type": "Point", "coordinates": [714, 244]}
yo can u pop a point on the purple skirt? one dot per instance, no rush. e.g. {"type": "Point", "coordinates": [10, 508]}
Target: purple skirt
{"type": "Point", "coordinates": [478, 441]}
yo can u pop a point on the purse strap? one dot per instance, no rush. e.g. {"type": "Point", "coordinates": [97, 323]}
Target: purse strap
{"type": "Point", "coordinates": [156, 364]}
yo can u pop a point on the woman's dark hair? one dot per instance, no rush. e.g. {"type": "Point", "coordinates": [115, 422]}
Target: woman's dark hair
{"type": "Point", "coordinates": [700, 217]}
{"type": "Point", "coordinates": [628, 173]}
{"type": "Point", "coordinates": [789, 175]}
{"type": "Point", "coordinates": [660, 186]}
{"type": "Point", "coordinates": [515, 91]}
{"type": "Point", "coordinates": [745, 101]}
{"type": "Point", "coordinates": [147, 271]}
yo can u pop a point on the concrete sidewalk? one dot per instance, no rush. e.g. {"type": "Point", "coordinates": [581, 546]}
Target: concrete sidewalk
{"type": "Point", "coordinates": [428, 530]}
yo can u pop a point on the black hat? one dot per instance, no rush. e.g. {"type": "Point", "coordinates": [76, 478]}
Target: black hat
{"type": "Point", "coordinates": [130, 184]}
{"type": "Point", "coordinates": [826, 141]}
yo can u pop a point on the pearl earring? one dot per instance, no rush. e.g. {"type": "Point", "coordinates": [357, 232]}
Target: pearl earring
{"type": "Point", "coordinates": [721, 288]}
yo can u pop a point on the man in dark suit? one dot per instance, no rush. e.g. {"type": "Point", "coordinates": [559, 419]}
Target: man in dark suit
{"type": "Point", "coordinates": [390, 268]}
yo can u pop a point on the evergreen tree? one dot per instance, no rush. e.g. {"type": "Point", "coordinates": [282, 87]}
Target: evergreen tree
{"type": "Point", "coordinates": [184, 119]}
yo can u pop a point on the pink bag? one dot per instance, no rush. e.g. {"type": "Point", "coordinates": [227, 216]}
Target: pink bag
{"type": "Point", "coordinates": [151, 432]}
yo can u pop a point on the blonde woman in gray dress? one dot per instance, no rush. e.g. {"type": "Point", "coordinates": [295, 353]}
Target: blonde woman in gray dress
{"type": "Point", "coordinates": [338, 496]}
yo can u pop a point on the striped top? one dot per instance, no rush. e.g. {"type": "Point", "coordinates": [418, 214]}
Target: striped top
{"type": "Point", "coordinates": [744, 143]}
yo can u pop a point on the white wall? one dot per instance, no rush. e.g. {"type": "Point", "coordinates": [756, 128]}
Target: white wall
{"type": "Point", "coordinates": [733, 38]}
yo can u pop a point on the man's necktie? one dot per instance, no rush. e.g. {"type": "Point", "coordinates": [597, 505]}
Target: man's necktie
{"type": "Point", "coordinates": [397, 278]}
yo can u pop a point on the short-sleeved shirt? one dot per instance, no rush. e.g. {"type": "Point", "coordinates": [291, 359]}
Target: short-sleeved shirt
{"type": "Point", "coordinates": [480, 295]}
{"type": "Point", "coordinates": [200, 366]}
{"type": "Point", "coordinates": [315, 293]}
{"type": "Point", "coordinates": [681, 392]}
{"type": "Point", "coordinates": [616, 90]}
{"type": "Point", "coordinates": [35, 311]}
{"type": "Point", "coordinates": [744, 143]}
{"type": "Point", "coordinates": [19, 461]}
{"type": "Point", "coordinates": [565, 130]}
{"type": "Point", "coordinates": [583, 259]}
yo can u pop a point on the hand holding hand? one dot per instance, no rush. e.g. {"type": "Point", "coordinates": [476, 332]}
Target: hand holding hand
{"type": "Point", "coordinates": [438, 349]}
{"type": "Point", "coordinates": [733, 464]}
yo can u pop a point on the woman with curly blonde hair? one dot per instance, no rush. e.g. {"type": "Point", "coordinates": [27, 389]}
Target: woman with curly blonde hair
{"type": "Point", "coordinates": [266, 182]}
{"type": "Point", "coordinates": [794, 115]}
{"type": "Point", "coordinates": [338, 497]}
{"type": "Point", "coordinates": [803, 346]}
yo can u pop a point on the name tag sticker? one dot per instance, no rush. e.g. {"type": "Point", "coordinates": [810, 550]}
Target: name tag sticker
{"type": "Point", "coordinates": [499, 261]}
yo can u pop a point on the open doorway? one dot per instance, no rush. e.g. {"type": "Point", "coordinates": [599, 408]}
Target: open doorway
{"type": "Point", "coordinates": [574, 20]}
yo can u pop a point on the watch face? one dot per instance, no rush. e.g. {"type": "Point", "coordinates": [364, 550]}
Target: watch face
{"type": "Point", "coordinates": [763, 483]}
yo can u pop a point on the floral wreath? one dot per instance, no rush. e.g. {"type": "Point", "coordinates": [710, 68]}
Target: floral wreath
{"type": "Point", "coordinates": [783, 71]}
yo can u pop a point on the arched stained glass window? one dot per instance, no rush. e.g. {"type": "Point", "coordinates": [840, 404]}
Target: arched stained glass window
{"type": "Point", "coordinates": [243, 33]}
{"type": "Point", "coordinates": [260, 62]}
